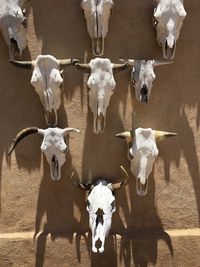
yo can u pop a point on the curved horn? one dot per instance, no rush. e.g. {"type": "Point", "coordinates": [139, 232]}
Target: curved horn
{"type": "Point", "coordinates": [25, 132]}
{"type": "Point", "coordinates": [159, 135]}
{"type": "Point", "coordinates": [120, 67]}
{"type": "Point", "coordinates": [22, 64]}
{"type": "Point", "coordinates": [123, 182]}
{"type": "Point", "coordinates": [69, 130]}
{"type": "Point", "coordinates": [66, 62]}
{"type": "Point", "coordinates": [83, 67]}
{"type": "Point", "coordinates": [80, 185]}
{"type": "Point", "coordinates": [124, 135]}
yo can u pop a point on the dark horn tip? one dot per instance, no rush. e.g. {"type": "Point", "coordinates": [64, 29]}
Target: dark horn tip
{"type": "Point", "coordinates": [74, 61]}
{"type": "Point", "coordinates": [172, 134]}
{"type": "Point", "coordinates": [10, 150]}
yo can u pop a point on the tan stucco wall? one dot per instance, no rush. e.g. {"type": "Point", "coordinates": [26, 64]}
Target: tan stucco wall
{"type": "Point", "coordinates": [31, 202]}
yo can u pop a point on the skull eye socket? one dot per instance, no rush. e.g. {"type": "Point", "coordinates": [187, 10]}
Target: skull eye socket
{"type": "Point", "coordinates": [24, 23]}
{"type": "Point", "coordinates": [155, 22]}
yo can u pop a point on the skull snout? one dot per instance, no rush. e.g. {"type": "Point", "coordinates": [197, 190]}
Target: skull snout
{"type": "Point", "coordinates": [169, 48]}
{"type": "Point", "coordinates": [98, 46]}
{"type": "Point", "coordinates": [141, 186]}
{"type": "Point", "coordinates": [51, 117]}
{"type": "Point", "coordinates": [99, 123]}
{"type": "Point", "coordinates": [144, 94]}
{"type": "Point", "coordinates": [98, 242]}
{"type": "Point", "coordinates": [99, 120]}
{"type": "Point", "coordinates": [99, 218]}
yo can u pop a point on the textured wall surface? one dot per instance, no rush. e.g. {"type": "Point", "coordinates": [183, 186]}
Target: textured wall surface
{"type": "Point", "coordinates": [31, 202]}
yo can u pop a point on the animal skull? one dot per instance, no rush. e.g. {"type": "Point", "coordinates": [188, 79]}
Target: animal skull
{"type": "Point", "coordinates": [143, 76]}
{"type": "Point", "coordinates": [101, 206]}
{"type": "Point", "coordinates": [101, 83]}
{"type": "Point", "coordinates": [12, 25]}
{"type": "Point", "coordinates": [97, 13]}
{"type": "Point", "coordinates": [142, 153]}
{"type": "Point", "coordinates": [53, 146]}
{"type": "Point", "coordinates": [168, 19]}
{"type": "Point", "coordinates": [48, 82]}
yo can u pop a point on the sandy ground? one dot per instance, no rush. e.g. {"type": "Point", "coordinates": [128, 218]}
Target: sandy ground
{"type": "Point", "coordinates": [31, 202]}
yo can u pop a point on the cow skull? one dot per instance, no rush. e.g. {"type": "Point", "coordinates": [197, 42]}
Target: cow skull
{"type": "Point", "coordinates": [168, 19]}
{"type": "Point", "coordinates": [101, 206]}
{"type": "Point", "coordinates": [142, 153]}
{"type": "Point", "coordinates": [97, 13]}
{"type": "Point", "coordinates": [143, 76]}
{"type": "Point", "coordinates": [101, 83]}
{"type": "Point", "coordinates": [12, 25]}
{"type": "Point", "coordinates": [53, 146]}
{"type": "Point", "coordinates": [48, 82]}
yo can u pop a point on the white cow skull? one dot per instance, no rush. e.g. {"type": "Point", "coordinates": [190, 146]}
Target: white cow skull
{"type": "Point", "coordinates": [53, 146]}
{"type": "Point", "coordinates": [101, 206]}
{"type": "Point", "coordinates": [101, 83]}
{"type": "Point", "coordinates": [142, 153]}
{"type": "Point", "coordinates": [48, 82]}
{"type": "Point", "coordinates": [97, 13]}
{"type": "Point", "coordinates": [168, 19]}
{"type": "Point", "coordinates": [12, 25]}
{"type": "Point", "coordinates": [143, 76]}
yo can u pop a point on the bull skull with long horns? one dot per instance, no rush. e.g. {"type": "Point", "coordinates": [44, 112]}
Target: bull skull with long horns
{"type": "Point", "coordinates": [101, 83]}
{"type": "Point", "coordinates": [142, 153]}
{"type": "Point", "coordinates": [48, 82]}
{"type": "Point", "coordinates": [101, 206]}
{"type": "Point", "coordinates": [53, 145]}
{"type": "Point", "coordinates": [97, 14]}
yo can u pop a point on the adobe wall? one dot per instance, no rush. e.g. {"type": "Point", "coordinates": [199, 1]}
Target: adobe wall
{"type": "Point", "coordinates": [31, 202]}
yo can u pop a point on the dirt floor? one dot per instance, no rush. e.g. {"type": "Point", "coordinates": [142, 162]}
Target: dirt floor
{"type": "Point", "coordinates": [147, 231]}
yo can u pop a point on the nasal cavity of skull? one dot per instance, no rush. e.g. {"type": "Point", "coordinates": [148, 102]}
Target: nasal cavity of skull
{"type": "Point", "coordinates": [99, 218]}
{"type": "Point", "coordinates": [53, 158]}
{"type": "Point", "coordinates": [13, 41]}
{"type": "Point", "coordinates": [144, 93]}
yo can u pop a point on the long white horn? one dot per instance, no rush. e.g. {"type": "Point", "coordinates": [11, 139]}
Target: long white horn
{"type": "Point", "coordinates": [70, 130]}
{"type": "Point", "coordinates": [161, 62]}
{"type": "Point", "coordinates": [22, 64]}
{"type": "Point", "coordinates": [83, 67]}
{"type": "Point", "coordinates": [124, 135]}
{"type": "Point", "coordinates": [159, 135]}
{"type": "Point", "coordinates": [119, 67]}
